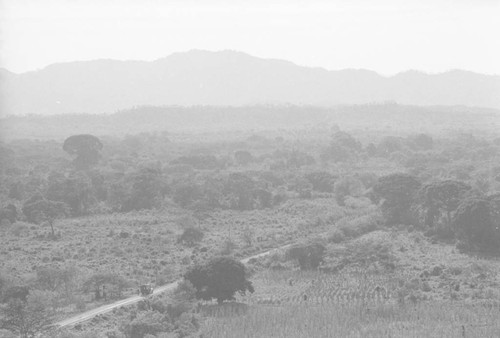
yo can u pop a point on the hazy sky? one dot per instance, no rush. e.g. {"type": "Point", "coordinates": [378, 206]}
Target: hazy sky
{"type": "Point", "coordinates": [388, 37]}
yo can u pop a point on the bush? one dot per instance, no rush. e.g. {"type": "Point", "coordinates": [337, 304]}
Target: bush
{"type": "Point", "coordinates": [19, 228]}
{"type": "Point", "coordinates": [68, 334]}
{"type": "Point", "coordinates": [6, 334]}
{"type": "Point", "coordinates": [191, 236]}
{"type": "Point", "coordinates": [364, 252]}
{"type": "Point", "coordinates": [38, 209]}
{"type": "Point", "coordinates": [228, 247]}
{"type": "Point", "coordinates": [185, 291]}
{"type": "Point", "coordinates": [247, 235]}
{"type": "Point", "coordinates": [80, 304]}
{"type": "Point", "coordinates": [15, 292]}
{"type": "Point", "coordinates": [336, 236]}
{"type": "Point", "coordinates": [186, 221]}
{"type": "Point", "coordinates": [110, 282]}
{"type": "Point", "coordinates": [30, 317]}
{"type": "Point", "coordinates": [146, 323]}
{"type": "Point", "coordinates": [357, 226]}
{"type": "Point", "coordinates": [309, 256]}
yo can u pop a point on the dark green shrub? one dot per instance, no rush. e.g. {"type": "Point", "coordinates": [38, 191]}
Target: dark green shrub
{"type": "Point", "coordinates": [220, 278]}
{"type": "Point", "coordinates": [146, 323]}
{"type": "Point", "coordinates": [474, 225]}
{"type": "Point", "coordinates": [309, 256]}
{"type": "Point", "coordinates": [440, 200]}
{"type": "Point", "coordinates": [191, 236]}
{"type": "Point", "coordinates": [15, 292]}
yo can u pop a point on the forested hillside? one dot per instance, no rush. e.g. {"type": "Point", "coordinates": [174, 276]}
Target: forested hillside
{"type": "Point", "coordinates": [201, 119]}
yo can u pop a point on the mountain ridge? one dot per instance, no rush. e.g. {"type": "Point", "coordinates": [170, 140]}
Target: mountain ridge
{"type": "Point", "coordinates": [227, 77]}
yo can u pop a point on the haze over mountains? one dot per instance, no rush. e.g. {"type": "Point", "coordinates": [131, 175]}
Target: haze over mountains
{"type": "Point", "coordinates": [228, 78]}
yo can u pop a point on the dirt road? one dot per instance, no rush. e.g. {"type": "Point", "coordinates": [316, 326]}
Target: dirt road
{"type": "Point", "coordinates": [134, 299]}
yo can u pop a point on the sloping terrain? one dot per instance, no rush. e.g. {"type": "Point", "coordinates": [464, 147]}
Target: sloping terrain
{"type": "Point", "coordinates": [228, 78]}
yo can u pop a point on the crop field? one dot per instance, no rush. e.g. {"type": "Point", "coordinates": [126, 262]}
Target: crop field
{"type": "Point", "coordinates": [284, 288]}
{"type": "Point", "coordinates": [347, 305]}
{"type": "Point", "coordinates": [358, 320]}
{"type": "Point", "coordinates": [457, 299]}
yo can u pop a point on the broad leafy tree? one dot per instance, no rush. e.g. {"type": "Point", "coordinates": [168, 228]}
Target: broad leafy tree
{"type": "Point", "coordinates": [75, 190]}
{"type": "Point", "coordinates": [239, 187]}
{"type": "Point", "coordinates": [346, 140]}
{"type": "Point", "coordinates": [98, 283]}
{"type": "Point", "coordinates": [86, 148]}
{"type": "Point", "coordinates": [188, 192]}
{"type": "Point", "coordinates": [397, 192]}
{"type": "Point", "coordinates": [38, 209]}
{"type": "Point", "coordinates": [441, 199]}
{"type": "Point", "coordinates": [474, 224]}
{"type": "Point", "coordinates": [147, 189]}
{"type": "Point", "coordinates": [220, 278]}
{"type": "Point", "coordinates": [27, 318]}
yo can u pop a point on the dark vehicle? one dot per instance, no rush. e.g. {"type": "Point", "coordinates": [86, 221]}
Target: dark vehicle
{"type": "Point", "coordinates": [146, 289]}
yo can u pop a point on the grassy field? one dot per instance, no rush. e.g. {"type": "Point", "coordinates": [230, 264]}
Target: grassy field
{"type": "Point", "coordinates": [143, 246]}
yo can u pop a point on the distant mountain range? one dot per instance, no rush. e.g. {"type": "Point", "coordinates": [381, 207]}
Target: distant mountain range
{"type": "Point", "coordinates": [228, 78]}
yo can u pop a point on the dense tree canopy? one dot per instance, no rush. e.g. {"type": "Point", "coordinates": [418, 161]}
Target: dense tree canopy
{"type": "Point", "coordinates": [38, 209]}
{"type": "Point", "coordinates": [474, 224]}
{"type": "Point", "coordinates": [309, 256]}
{"type": "Point", "coordinates": [85, 147]}
{"type": "Point", "coordinates": [441, 198]}
{"type": "Point", "coordinates": [28, 318]}
{"type": "Point", "coordinates": [397, 192]}
{"type": "Point", "coordinates": [220, 278]}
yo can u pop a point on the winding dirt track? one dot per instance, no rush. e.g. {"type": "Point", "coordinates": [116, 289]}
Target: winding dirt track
{"type": "Point", "coordinates": [134, 299]}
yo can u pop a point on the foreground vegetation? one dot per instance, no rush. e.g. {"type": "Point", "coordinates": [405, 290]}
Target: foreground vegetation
{"type": "Point", "coordinates": [390, 235]}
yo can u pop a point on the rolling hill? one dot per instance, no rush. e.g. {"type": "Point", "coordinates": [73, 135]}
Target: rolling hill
{"type": "Point", "coordinates": [228, 78]}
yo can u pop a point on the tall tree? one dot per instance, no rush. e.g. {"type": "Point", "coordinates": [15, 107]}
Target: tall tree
{"type": "Point", "coordinates": [220, 278]}
{"type": "Point", "coordinates": [28, 318]}
{"type": "Point", "coordinates": [86, 148]}
{"type": "Point", "coordinates": [38, 209]}
{"type": "Point", "coordinates": [397, 192]}
{"type": "Point", "coordinates": [441, 198]}
{"type": "Point", "coordinates": [474, 224]}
